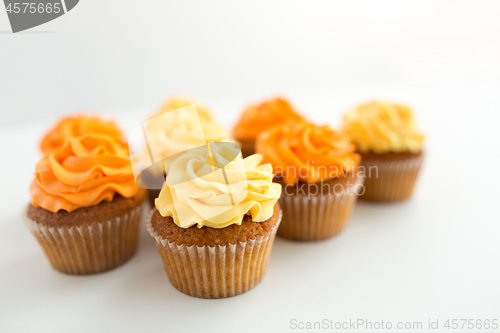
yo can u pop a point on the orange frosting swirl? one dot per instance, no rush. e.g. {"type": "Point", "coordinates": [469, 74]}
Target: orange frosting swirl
{"type": "Point", "coordinates": [302, 151]}
{"type": "Point", "coordinates": [258, 118]}
{"type": "Point", "coordinates": [76, 126]}
{"type": "Point", "coordinates": [84, 171]}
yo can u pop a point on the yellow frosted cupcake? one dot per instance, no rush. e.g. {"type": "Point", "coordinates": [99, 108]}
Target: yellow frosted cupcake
{"type": "Point", "coordinates": [177, 133]}
{"type": "Point", "coordinates": [390, 145]}
{"type": "Point", "coordinates": [215, 221]}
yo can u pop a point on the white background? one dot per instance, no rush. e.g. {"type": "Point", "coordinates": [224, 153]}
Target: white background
{"type": "Point", "coordinates": [436, 256]}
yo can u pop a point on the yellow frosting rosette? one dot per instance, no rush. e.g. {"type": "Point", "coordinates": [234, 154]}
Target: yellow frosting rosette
{"type": "Point", "coordinates": [383, 127]}
{"type": "Point", "coordinates": [175, 134]}
{"type": "Point", "coordinates": [180, 132]}
{"type": "Point", "coordinates": [211, 188]}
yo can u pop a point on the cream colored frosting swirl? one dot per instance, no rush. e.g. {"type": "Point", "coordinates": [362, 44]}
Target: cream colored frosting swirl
{"type": "Point", "coordinates": [198, 192]}
{"type": "Point", "coordinates": [174, 135]}
{"type": "Point", "coordinates": [383, 127]}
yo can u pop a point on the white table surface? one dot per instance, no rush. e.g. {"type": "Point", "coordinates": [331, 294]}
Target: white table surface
{"type": "Point", "coordinates": [433, 257]}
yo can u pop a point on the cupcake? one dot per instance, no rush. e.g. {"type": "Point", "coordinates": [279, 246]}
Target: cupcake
{"type": "Point", "coordinates": [75, 126]}
{"type": "Point", "coordinates": [85, 206]}
{"type": "Point", "coordinates": [318, 169]}
{"type": "Point", "coordinates": [175, 133]}
{"type": "Point", "coordinates": [258, 118]}
{"type": "Point", "coordinates": [387, 138]}
{"type": "Point", "coordinates": [215, 221]}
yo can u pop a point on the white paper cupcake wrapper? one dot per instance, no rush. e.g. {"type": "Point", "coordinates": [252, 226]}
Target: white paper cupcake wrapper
{"type": "Point", "coordinates": [395, 179]}
{"type": "Point", "coordinates": [215, 271]}
{"type": "Point", "coordinates": [316, 217]}
{"type": "Point", "coordinates": [89, 248]}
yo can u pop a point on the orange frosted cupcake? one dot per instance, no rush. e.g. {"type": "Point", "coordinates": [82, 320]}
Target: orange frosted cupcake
{"type": "Point", "coordinates": [215, 221]}
{"type": "Point", "coordinates": [390, 145]}
{"type": "Point", "coordinates": [75, 126]}
{"type": "Point", "coordinates": [177, 133]}
{"type": "Point", "coordinates": [85, 206]}
{"type": "Point", "coordinates": [318, 169]}
{"type": "Point", "coordinates": [258, 118]}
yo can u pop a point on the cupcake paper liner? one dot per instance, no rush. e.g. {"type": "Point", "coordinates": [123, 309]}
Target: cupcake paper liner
{"type": "Point", "coordinates": [317, 217]}
{"type": "Point", "coordinates": [395, 181]}
{"type": "Point", "coordinates": [89, 248]}
{"type": "Point", "coordinates": [215, 271]}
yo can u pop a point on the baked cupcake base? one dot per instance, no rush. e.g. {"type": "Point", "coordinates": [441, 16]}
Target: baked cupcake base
{"type": "Point", "coordinates": [247, 147]}
{"type": "Point", "coordinates": [390, 176]}
{"type": "Point", "coordinates": [214, 263]}
{"type": "Point", "coordinates": [90, 239]}
{"type": "Point", "coordinates": [316, 215]}
{"type": "Point", "coordinates": [152, 195]}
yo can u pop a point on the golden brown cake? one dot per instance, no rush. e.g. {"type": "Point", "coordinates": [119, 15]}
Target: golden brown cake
{"type": "Point", "coordinates": [167, 229]}
{"type": "Point", "coordinates": [318, 170]}
{"type": "Point", "coordinates": [390, 145]}
{"type": "Point", "coordinates": [219, 245]}
{"type": "Point", "coordinates": [176, 133]}
{"type": "Point", "coordinates": [215, 263]}
{"type": "Point", "coordinates": [86, 215]}
{"type": "Point", "coordinates": [327, 213]}
{"type": "Point", "coordinates": [152, 195]}
{"type": "Point", "coordinates": [86, 206]}
{"type": "Point", "coordinates": [391, 176]}
{"type": "Point", "coordinates": [90, 239]}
